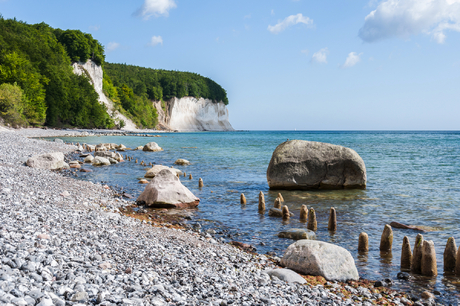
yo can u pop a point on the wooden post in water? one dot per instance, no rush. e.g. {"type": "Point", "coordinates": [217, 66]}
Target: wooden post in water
{"type": "Point", "coordinates": [332, 225]}
{"type": "Point", "coordinates": [312, 224]}
{"type": "Point", "coordinates": [416, 266]}
{"type": "Point", "coordinates": [450, 256]}
{"type": "Point", "coordinates": [200, 183]}
{"type": "Point", "coordinates": [363, 243]}
{"type": "Point", "coordinates": [185, 174]}
{"type": "Point", "coordinates": [286, 214]}
{"type": "Point", "coordinates": [386, 241]}
{"type": "Point", "coordinates": [303, 212]}
{"type": "Point", "coordinates": [429, 266]}
{"type": "Point", "coordinates": [261, 201]}
{"type": "Point", "coordinates": [190, 176]}
{"type": "Point", "coordinates": [457, 264]}
{"type": "Point", "coordinates": [136, 160]}
{"type": "Point", "coordinates": [277, 203]}
{"type": "Point", "coordinates": [281, 197]}
{"type": "Point", "coordinates": [242, 199]}
{"type": "Point", "coordinates": [406, 254]}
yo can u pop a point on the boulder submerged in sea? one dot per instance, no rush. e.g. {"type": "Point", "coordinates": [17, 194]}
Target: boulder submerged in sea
{"type": "Point", "coordinates": [101, 161]}
{"type": "Point", "coordinates": [152, 147]}
{"type": "Point", "coordinates": [304, 165]}
{"type": "Point", "coordinates": [50, 161]}
{"type": "Point", "coordinates": [311, 257]}
{"type": "Point", "coordinates": [152, 172]}
{"type": "Point", "coordinates": [297, 234]}
{"type": "Point", "coordinates": [182, 162]}
{"type": "Point", "coordinates": [166, 191]}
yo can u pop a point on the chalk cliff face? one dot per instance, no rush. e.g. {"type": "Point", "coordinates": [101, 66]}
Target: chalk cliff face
{"type": "Point", "coordinates": [95, 75]}
{"type": "Point", "coordinates": [191, 114]}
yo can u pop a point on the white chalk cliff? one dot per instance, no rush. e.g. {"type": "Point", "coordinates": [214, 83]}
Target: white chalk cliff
{"type": "Point", "coordinates": [192, 114]}
{"type": "Point", "coordinates": [95, 76]}
{"type": "Point", "coordinates": [185, 114]}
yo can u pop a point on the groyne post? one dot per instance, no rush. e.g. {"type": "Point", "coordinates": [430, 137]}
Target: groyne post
{"type": "Point", "coordinates": [429, 266]}
{"type": "Point", "coordinates": [332, 224]}
{"type": "Point", "coordinates": [303, 212]}
{"type": "Point", "coordinates": [450, 255]}
{"type": "Point", "coordinates": [406, 254]}
{"type": "Point", "coordinates": [200, 183]}
{"type": "Point", "coordinates": [416, 266]}
{"type": "Point", "coordinates": [242, 199]}
{"type": "Point", "coordinates": [363, 243]}
{"type": "Point", "coordinates": [261, 201]}
{"type": "Point", "coordinates": [386, 241]}
{"type": "Point", "coordinates": [277, 203]}
{"type": "Point", "coordinates": [312, 224]}
{"type": "Point", "coordinates": [286, 214]}
{"type": "Point", "coordinates": [190, 176]}
{"type": "Point", "coordinates": [281, 197]}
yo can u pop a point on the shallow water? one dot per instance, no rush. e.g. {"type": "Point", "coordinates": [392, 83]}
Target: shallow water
{"type": "Point", "coordinates": [413, 178]}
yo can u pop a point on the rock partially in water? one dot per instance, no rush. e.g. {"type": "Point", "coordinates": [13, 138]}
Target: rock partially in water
{"type": "Point", "coordinates": [182, 162]}
{"type": "Point", "coordinates": [297, 234]}
{"type": "Point", "coordinates": [152, 172]}
{"type": "Point", "coordinates": [313, 257]}
{"type": "Point", "coordinates": [50, 161]}
{"type": "Point", "coordinates": [299, 164]}
{"type": "Point", "coordinates": [89, 159]}
{"type": "Point", "coordinates": [101, 161]}
{"type": "Point", "coordinates": [276, 212]}
{"type": "Point", "coordinates": [166, 191]}
{"type": "Point", "coordinates": [152, 147]}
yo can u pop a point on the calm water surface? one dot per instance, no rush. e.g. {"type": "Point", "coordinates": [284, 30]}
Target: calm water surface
{"type": "Point", "coordinates": [413, 178]}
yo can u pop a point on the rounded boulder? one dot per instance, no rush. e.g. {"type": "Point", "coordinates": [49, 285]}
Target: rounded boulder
{"type": "Point", "coordinates": [306, 165]}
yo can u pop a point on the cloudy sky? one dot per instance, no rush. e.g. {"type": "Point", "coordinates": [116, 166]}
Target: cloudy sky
{"type": "Point", "coordinates": [289, 64]}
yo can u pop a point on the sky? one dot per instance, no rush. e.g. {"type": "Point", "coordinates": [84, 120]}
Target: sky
{"type": "Point", "coordinates": [288, 64]}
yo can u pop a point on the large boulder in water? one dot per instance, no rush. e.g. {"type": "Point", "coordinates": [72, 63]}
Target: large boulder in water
{"type": "Point", "coordinates": [152, 147]}
{"type": "Point", "coordinates": [166, 191]}
{"type": "Point", "coordinates": [311, 257]}
{"type": "Point", "coordinates": [300, 164]}
{"type": "Point", "coordinates": [152, 172]}
{"type": "Point", "coordinates": [51, 161]}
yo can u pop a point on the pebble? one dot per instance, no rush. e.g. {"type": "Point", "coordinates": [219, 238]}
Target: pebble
{"type": "Point", "coordinates": [78, 250]}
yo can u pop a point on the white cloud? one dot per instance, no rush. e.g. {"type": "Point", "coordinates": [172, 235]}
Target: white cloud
{"type": "Point", "coordinates": [112, 46]}
{"type": "Point", "coordinates": [290, 21]}
{"type": "Point", "coordinates": [320, 56]}
{"type": "Point", "coordinates": [156, 40]}
{"type": "Point", "coordinates": [403, 18]}
{"type": "Point", "coordinates": [352, 59]}
{"type": "Point", "coordinates": [155, 8]}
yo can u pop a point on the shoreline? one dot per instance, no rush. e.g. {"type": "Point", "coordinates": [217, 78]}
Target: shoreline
{"type": "Point", "coordinates": [101, 205]}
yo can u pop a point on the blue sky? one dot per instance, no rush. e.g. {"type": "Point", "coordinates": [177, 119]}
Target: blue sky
{"type": "Point", "coordinates": [286, 64]}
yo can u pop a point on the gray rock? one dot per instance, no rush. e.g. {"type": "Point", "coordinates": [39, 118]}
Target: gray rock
{"type": "Point", "coordinates": [152, 147]}
{"type": "Point", "coordinates": [80, 296]}
{"type": "Point", "coordinates": [166, 190]}
{"type": "Point", "coordinates": [182, 162]}
{"type": "Point", "coordinates": [101, 161]}
{"type": "Point", "coordinates": [297, 234]}
{"type": "Point", "coordinates": [152, 172]}
{"type": "Point", "coordinates": [300, 164]}
{"type": "Point", "coordinates": [313, 257]}
{"type": "Point", "coordinates": [286, 275]}
{"type": "Point", "coordinates": [105, 154]}
{"type": "Point", "coordinates": [112, 160]}
{"type": "Point", "coordinates": [88, 159]}
{"type": "Point", "coordinates": [51, 161]}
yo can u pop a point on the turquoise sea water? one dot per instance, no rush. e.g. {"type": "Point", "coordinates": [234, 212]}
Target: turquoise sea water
{"type": "Point", "coordinates": [413, 178]}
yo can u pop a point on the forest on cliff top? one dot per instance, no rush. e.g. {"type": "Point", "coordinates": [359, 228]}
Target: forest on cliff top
{"type": "Point", "coordinates": [38, 86]}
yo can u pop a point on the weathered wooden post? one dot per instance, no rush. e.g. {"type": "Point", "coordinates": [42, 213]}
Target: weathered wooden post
{"type": "Point", "coordinates": [277, 203]}
{"type": "Point", "coordinates": [416, 266]}
{"type": "Point", "coordinates": [406, 254]}
{"type": "Point", "coordinates": [190, 176]}
{"type": "Point", "coordinates": [429, 266]}
{"type": "Point", "coordinates": [281, 197]}
{"type": "Point", "coordinates": [363, 243]}
{"type": "Point", "coordinates": [242, 199]}
{"type": "Point", "coordinates": [261, 202]}
{"type": "Point", "coordinates": [200, 183]}
{"type": "Point", "coordinates": [303, 212]}
{"type": "Point", "coordinates": [312, 224]}
{"type": "Point", "coordinates": [386, 241]}
{"type": "Point", "coordinates": [286, 214]}
{"type": "Point", "coordinates": [450, 256]}
{"type": "Point", "coordinates": [332, 224]}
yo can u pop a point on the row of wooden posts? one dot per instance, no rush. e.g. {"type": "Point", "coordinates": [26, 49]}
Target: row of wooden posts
{"type": "Point", "coordinates": [423, 259]}
{"type": "Point", "coordinates": [306, 214]}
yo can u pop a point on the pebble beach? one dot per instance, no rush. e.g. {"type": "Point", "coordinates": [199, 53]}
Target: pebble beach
{"type": "Point", "coordinates": [64, 241]}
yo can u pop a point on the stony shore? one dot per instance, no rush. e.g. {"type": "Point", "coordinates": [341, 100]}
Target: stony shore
{"type": "Point", "coordinates": [64, 242]}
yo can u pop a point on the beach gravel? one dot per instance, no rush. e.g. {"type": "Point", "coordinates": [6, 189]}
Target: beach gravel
{"type": "Point", "coordinates": [64, 242]}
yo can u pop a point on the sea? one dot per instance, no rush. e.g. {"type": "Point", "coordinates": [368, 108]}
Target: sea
{"type": "Point", "coordinates": [413, 177]}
